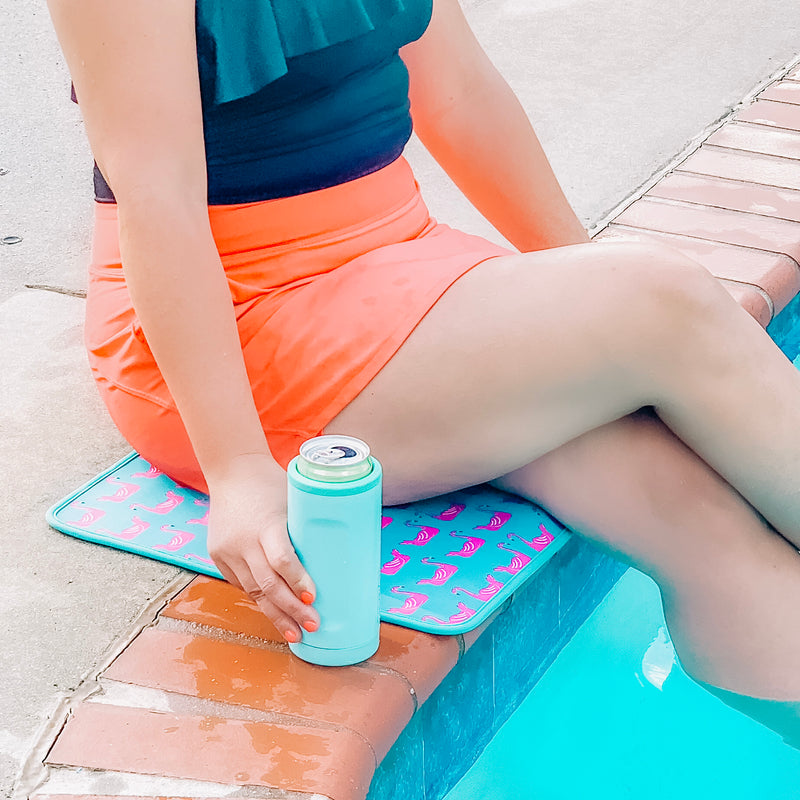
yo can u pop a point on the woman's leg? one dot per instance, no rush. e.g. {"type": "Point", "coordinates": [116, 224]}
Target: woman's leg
{"type": "Point", "coordinates": [525, 354]}
{"type": "Point", "coordinates": [730, 584]}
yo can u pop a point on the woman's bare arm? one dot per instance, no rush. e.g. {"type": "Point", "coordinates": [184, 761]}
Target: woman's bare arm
{"type": "Point", "coordinates": [134, 67]}
{"type": "Point", "coordinates": [469, 119]}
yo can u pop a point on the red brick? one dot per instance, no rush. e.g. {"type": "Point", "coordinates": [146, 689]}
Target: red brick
{"type": "Point", "coordinates": [752, 198]}
{"type": "Point", "coordinates": [741, 166]}
{"type": "Point", "coordinates": [269, 680]}
{"type": "Point", "coordinates": [719, 225]}
{"type": "Point", "coordinates": [782, 92]}
{"type": "Point", "coordinates": [768, 112]}
{"type": "Point", "coordinates": [335, 763]}
{"type": "Point", "coordinates": [424, 659]}
{"type": "Point", "coordinates": [218, 604]}
{"type": "Point", "coordinates": [757, 139]}
{"type": "Point", "coordinates": [716, 258]}
{"type": "Point", "coordinates": [751, 300]}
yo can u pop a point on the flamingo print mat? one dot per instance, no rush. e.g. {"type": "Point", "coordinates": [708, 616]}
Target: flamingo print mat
{"type": "Point", "coordinates": [447, 563]}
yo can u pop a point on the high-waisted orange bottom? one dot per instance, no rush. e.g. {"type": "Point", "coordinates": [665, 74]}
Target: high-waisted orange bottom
{"type": "Point", "coordinates": [326, 285]}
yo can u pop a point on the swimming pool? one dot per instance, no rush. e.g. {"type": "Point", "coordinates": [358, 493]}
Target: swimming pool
{"type": "Point", "coordinates": [616, 717]}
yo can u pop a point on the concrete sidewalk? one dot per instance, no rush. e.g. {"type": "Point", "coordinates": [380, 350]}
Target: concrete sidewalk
{"type": "Point", "coordinates": [615, 92]}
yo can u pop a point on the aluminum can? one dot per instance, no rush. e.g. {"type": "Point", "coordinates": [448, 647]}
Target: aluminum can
{"type": "Point", "coordinates": [334, 516]}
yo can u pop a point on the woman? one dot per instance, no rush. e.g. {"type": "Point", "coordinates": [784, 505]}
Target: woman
{"type": "Point", "coordinates": [286, 280]}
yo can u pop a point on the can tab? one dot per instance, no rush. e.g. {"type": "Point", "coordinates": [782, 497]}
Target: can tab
{"type": "Point", "coordinates": [334, 459]}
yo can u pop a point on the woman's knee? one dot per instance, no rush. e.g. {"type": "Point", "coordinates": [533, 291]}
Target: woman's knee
{"type": "Point", "coordinates": [664, 281]}
{"type": "Point", "coordinates": [658, 302]}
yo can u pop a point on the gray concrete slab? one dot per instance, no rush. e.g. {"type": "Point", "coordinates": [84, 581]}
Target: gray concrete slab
{"type": "Point", "coordinates": [615, 91]}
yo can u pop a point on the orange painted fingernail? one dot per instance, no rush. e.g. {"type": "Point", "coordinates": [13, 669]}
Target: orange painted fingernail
{"type": "Point", "coordinates": [307, 598]}
{"type": "Point", "coordinates": [310, 625]}
{"type": "Point", "coordinates": [291, 636]}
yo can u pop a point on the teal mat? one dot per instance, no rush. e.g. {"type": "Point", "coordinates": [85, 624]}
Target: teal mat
{"type": "Point", "coordinates": [447, 563]}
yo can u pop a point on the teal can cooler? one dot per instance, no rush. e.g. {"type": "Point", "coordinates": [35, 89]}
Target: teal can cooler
{"type": "Point", "coordinates": [334, 517]}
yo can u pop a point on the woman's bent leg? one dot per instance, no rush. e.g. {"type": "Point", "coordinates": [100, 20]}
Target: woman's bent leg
{"type": "Point", "coordinates": [730, 584]}
{"type": "Point", "coordinates": [525, 354]}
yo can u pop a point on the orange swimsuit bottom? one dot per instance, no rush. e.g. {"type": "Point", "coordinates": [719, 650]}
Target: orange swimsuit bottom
{"type": "Point", "coordinates": [326, 286]}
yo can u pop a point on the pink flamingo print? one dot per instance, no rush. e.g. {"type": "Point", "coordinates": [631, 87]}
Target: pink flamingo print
{"type": "Point", "coordinates": [396, 564]}
{"type": "Point", "coordinates": [518, 562]}
{"type": "Point", "coordinates": [443, 572]}
{"type": "Point", "coordinates": [470, 546]}
{"type": "Point", "coordinates": [412, 602]}
{"type": "Point", "coordinates": [139, 527]}
{"type": "Point", "coordinates": [449, 514]}
{"type": "Point", "coordinates": [199, 501]}
{"type": "Point", "coordinates": [199, 521]}
{"type": "Point", "coordinates": [493, 586]}
{"type": "Point", "coordinates": [125, 490]}
{"type": "Point", "coordinates": [462, 615]}
{"type": "Point", "coordinates": [499, 518]}
{"type": "Point", "coordinates": [426, 533]}
{"type": "Point", "coordinates": [165, 506]}
{"type": "Point", "coordinates": [180, 539]}
{"type": "Point", "coordinates": [90, 515]}
{"type": "Point", "coordinates": [539, 543]}
{"type": "Point", "coordinates": [385, 522]}
{"type": "Point", "coordinates": [153, 472]}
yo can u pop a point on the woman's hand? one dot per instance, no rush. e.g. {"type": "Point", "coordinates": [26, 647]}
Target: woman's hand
{"type": "Point", "coordinates": [249, 542]}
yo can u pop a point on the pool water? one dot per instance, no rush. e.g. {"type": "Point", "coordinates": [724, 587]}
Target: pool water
{"type": "Point", "coordinates": [616, 717]}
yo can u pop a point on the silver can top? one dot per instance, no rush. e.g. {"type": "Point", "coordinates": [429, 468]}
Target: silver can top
{"type": "Point", "coordinates": [334, 459]}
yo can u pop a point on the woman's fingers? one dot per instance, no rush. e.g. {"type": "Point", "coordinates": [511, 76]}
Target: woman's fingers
{"type": "Point", "coordinates": [266, 570]}
{"type": "Point", "coordinates": [228, 573]}
{"type": "Point", "coordinates": [283, 559]}
{"type": "Point", "coordinates": [274, 597]}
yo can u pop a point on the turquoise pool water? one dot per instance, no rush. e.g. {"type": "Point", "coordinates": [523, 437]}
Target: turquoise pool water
{"type": "Point", "coordinates": [615, 717]}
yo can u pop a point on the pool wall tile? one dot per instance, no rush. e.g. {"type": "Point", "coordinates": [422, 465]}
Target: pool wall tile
{"type": "Point", "coordinates": [458, 719]}
{"type": "Point", "coordinates": [497, 672]}
{"type": "Point", "coordinates": [404, 766]}
{"type": "Point", "coordinates": [524, 636]}
{"type": "Point", "coordinates": [606, 573]}
{"type": "Point", "coordinates": [544, 617]}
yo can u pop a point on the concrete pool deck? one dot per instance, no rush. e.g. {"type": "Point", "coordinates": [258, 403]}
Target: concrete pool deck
{"type": "Point", "coordinates": [617, 96]}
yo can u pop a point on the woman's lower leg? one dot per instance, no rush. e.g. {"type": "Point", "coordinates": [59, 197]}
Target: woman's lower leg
{"type": "Point", "coordinates": [730, 584]}
{"type": "Point", "coordinates": [728, 392]}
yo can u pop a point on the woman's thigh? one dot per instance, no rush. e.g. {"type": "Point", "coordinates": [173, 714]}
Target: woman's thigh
{"type": "Point", "coordinates": [521, 355]}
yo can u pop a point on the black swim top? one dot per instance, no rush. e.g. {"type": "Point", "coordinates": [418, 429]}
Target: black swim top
{"type": "Point", "coordinates": [300, 95]}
